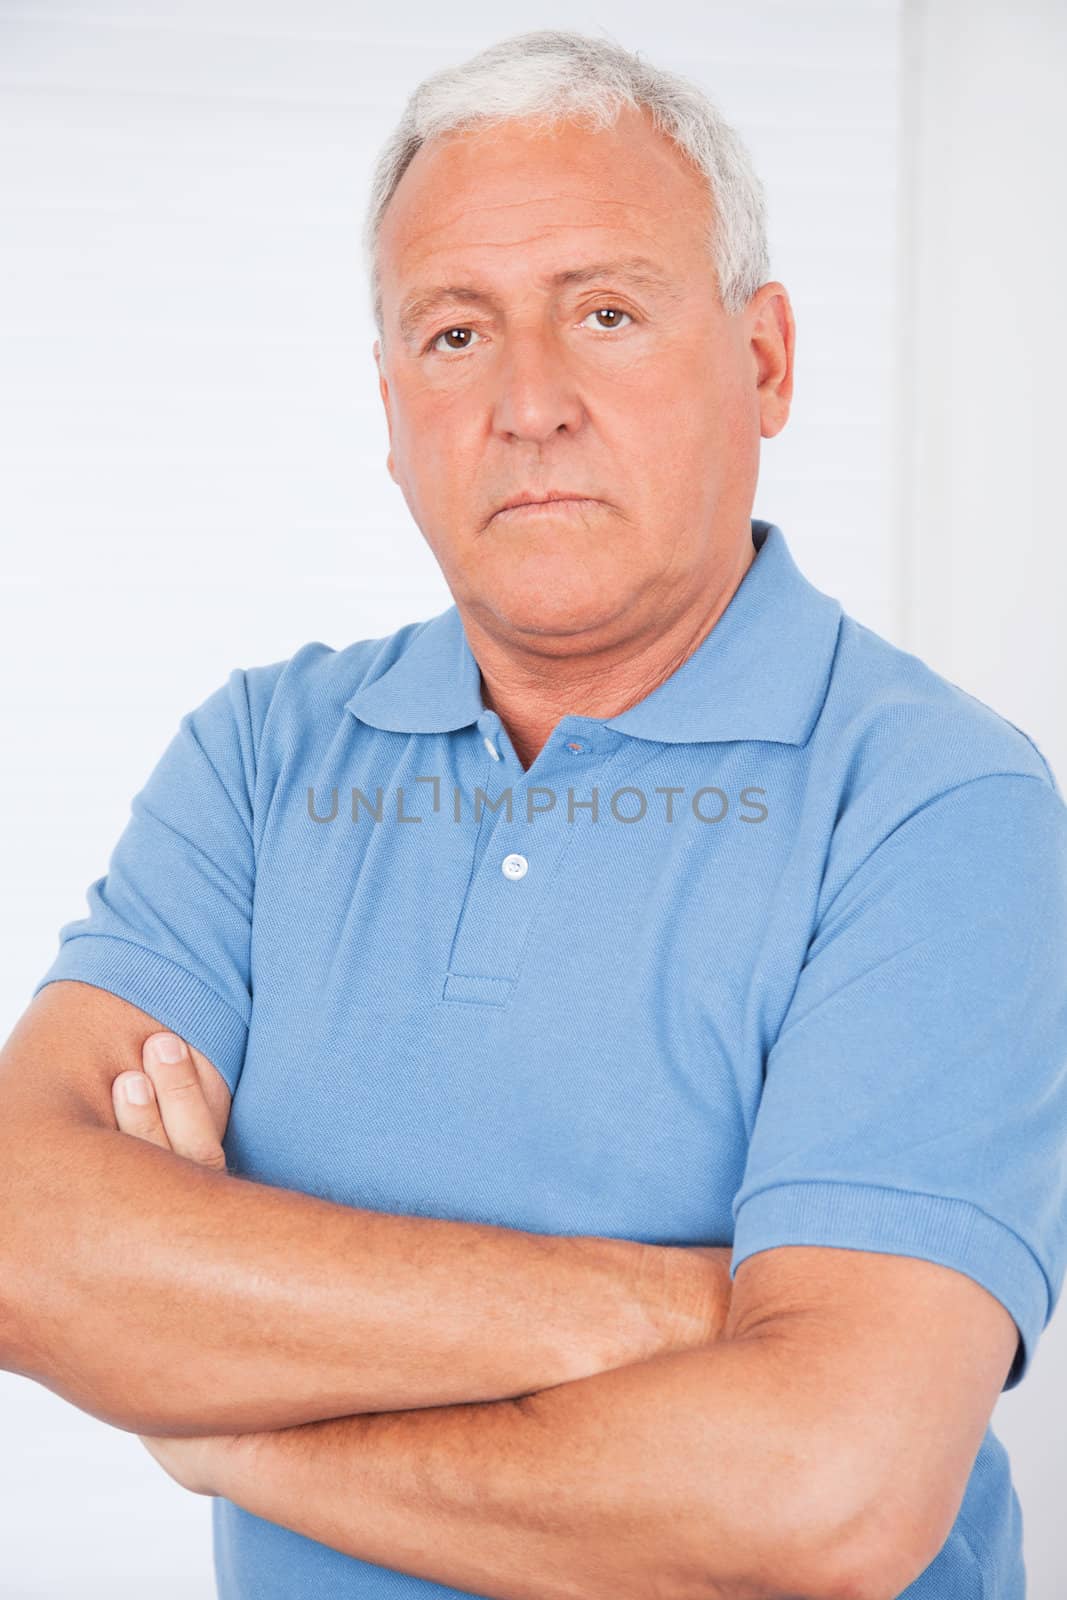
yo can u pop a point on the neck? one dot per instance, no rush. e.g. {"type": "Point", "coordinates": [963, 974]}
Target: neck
{"type": "Point", "coordinates": [531, 692]}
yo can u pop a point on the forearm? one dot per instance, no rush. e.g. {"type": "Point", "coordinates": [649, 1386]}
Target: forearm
{"type": "Point", "coordinates": [163, 1297]}
{"type": "Point", "coordinates": [675, 1477]}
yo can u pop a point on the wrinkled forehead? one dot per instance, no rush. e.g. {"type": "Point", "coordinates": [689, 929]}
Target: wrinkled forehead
{"type": "Point", "coordinates": [512, 197]}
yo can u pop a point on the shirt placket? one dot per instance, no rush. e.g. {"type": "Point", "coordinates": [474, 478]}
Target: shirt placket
{"type": "Point", "coordinates": [518, 859]}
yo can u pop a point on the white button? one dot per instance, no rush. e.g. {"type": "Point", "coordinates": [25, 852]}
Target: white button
{"type": "Point", "coordinates": [492, 749]}
{"type": "Point", "coordinates": [514, 866]}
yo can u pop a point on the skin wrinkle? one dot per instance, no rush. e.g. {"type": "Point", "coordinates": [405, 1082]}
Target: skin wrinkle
{"type": "Point", "coordinates": [638, 271]}
{"type": "Point", "coordinates": [587, 609]}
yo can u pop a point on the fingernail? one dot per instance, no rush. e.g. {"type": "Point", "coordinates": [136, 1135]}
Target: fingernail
{"type": "Point", "coordinates": [137, 1090]}
{"type": "Point", "coordinates": [167, 1047]}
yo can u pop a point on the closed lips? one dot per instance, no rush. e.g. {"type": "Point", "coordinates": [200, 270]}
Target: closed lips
{"type": "Point", "coordinates": [551, 500]}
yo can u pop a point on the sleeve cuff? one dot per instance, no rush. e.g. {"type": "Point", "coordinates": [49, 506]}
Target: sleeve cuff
{"type": "Point", "coordinates": [157, 985]}
{"type": "Point", "coordinates": [955, 1233]}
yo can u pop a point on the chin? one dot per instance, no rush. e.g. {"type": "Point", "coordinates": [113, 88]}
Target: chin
{"type": "Point", "coordinates": [538, 609]}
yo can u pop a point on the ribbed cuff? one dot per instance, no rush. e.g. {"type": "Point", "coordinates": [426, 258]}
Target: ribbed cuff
{"type": "Point", "coordinates": [176, 998]}
{"type": "Point", "coordinates": [955, 1233]}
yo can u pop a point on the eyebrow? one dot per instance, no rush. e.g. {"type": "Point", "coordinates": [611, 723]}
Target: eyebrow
{"type": "Point", "coordinates": [640, 271]}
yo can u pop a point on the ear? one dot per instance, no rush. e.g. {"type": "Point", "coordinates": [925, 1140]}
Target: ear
{"type": "Point", "coordinates": [383, 390]}
{"type": "Point", "coordinates": [772, 339]}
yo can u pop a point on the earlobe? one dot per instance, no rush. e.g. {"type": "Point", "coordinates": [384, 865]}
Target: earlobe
{"type": "Point", "coordinates": [774, 414]}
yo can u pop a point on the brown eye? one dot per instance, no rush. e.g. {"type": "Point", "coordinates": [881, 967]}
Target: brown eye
{"type": "Point", "coordinates": [609, 311]}
{"type": "Point", "coordinates": [447, 333]}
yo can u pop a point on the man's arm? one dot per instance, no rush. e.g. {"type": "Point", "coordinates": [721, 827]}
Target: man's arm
{"type": "Point", "coordinates": [164, 1297]}
{"type": "Point", "coordinates": [857, 1489]}
{"type": "Point", "coordinates": [696, 1475]}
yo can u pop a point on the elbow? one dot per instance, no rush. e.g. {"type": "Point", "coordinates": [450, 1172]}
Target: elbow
{"type": "Point", "coordinates": [790, 1555]}
{"type": "Point", "coordinates": [36, 1342]}
{"type": "Point", "coordinates": [11, 1357]}
{"type": "Point", "coordinates": [809, 1547]}
{"type": "Point", "coordinates": [107, 1404]}
{"type": "Point", "coordinates": [876, 1571]}
{"type": "Point", "coordinates": [111, 1403]}
{"type": "Point", "coordinates": [839, 1555]}
{"type": "Point", "coordinates": [16, 1344]}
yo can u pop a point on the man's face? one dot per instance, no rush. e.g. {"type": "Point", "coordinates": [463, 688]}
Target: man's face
{"type": "Point", "coordinates": [641, 395]}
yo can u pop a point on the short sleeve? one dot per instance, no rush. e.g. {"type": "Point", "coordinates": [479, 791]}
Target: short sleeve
{"type": "Point", "coordinates": [169, 924]}
{"type": "Point", "coordinates": [915, 1097]}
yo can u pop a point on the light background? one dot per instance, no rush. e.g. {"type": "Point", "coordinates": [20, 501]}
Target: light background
{"type": "Point", "coordinates": [193, 453]}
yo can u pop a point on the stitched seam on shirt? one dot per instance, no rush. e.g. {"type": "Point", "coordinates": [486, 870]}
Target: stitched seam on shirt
{"type": "Point", "coordinates": [822, 913]}
{"type": "Point", "coordinates": [265, 732]}
{"type": "Point", "coordinates": [979, 1551]}
{"type": "Point", "coordinates": [142, 806]}
{"type": "Point", "coordinates": [924, 805]}
{"type": "Point", "coordinates": [246, 823]}
{"type": "Point", "coordinates": [147, 949]}
{"type": "Point", "coordinates": [475, 859]}
{"type": "Point", "coordinates": [539, 916]}
{"type": "Point", "coordinates": [890, 1188]}
{"type": "Point", "coordinates": [252, 788]}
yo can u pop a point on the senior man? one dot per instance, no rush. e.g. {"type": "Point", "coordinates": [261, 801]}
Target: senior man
{"type": "Point", "coordinates": [625, 1149]}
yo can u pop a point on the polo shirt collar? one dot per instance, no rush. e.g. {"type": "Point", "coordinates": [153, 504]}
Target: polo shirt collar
{"type": "Point", "coordinates": [761, 673]}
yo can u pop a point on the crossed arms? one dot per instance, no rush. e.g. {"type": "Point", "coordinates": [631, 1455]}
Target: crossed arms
{"type": "Point", "coordinates": [536, 1416]}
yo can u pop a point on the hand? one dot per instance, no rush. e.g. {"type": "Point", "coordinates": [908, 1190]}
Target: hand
{"type": "Point", "coordinates": [177, 1118]}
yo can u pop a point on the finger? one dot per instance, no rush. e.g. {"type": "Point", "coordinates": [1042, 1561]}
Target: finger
{"type": "Point", "coordinates": [142, 1121]}
{"type": "Point", "coordinates": [187, 1119]}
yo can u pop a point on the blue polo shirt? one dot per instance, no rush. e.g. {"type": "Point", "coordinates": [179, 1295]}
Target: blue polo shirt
{"type": "Point", "coordinates": [777, 956]}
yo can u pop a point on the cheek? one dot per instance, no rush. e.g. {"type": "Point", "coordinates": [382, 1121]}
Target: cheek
{"type": "Point", "coordinates": [435, 428]}
{"type": "Point", "coordinates": [680, 395]}
{"type": "Point", "coordinates": [440, 470]}
{"type": "Point", "coordinates": [720, 419]}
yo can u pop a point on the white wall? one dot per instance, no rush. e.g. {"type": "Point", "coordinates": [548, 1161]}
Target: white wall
{"type": "Point", "coordinates": [982, 530]}
{"type": "Point", "coordinates": [194, 457]}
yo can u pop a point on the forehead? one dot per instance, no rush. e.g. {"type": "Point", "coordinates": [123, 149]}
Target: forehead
{"type": "Point", "coordinates": [509, 195]}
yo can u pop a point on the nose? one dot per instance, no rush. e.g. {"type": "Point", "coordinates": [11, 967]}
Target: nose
{"type": "Point", "coordinates": [535, 390]}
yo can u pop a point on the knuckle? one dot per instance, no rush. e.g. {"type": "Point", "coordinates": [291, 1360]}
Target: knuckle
{"type": "Point", "coordinates": [142, 1126]}
{"type": "Point", "coordinates": [174, 1079]}
{"type": "Point", "coordinates": [213, 1157]}
{"type": "Point", "coordinates": [183, 1089]}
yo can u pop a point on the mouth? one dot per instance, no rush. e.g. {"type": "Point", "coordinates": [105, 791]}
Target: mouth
{"type": "Point", "coordinates": [547, 507]}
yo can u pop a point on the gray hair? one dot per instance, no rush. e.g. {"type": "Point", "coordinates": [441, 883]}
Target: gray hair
{"type": "Point", "coordinates": [551, 75]}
